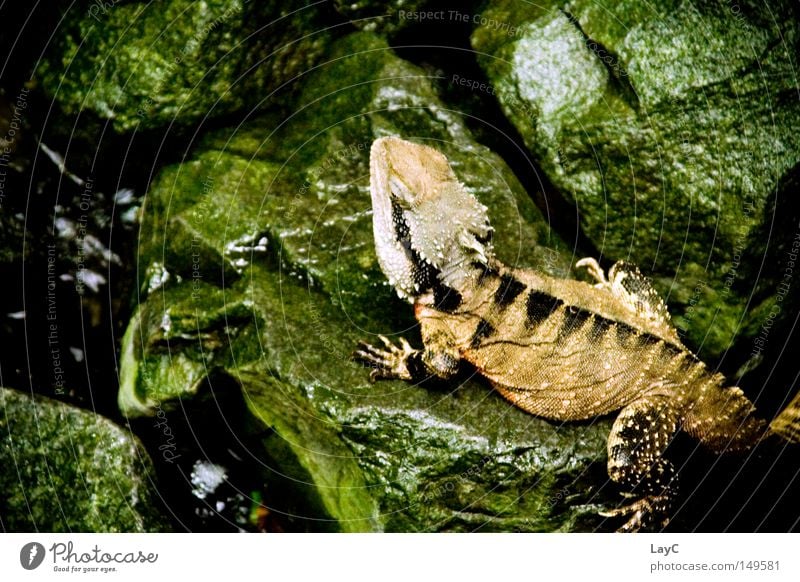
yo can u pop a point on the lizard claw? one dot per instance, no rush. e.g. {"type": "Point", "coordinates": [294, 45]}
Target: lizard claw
{"type": "Point", "coordinates": [647, 512]}
{"type": "Point", "coordinates": [386, 363]}
{"type": "Point", "coordinates": [593, 269]}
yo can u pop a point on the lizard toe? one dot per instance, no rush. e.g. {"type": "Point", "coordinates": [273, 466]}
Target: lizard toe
{"type": "Point", "coordinates": [386, 363]}
{"type": "Point", "coordinates": [646, 513]}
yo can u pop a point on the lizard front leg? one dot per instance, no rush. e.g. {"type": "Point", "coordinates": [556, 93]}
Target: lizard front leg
{"type": "Point", "coordinates": [390, 361]}
{"type": "Point", "coordinates": [637, 441]}
{"type": "Point", "coordinates": [634, 290]}
{"type": "Point", "coordinates": [440, 357]}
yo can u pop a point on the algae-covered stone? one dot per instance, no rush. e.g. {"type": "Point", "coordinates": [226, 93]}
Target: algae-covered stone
{"type": "Point", "coordinates": [672, 127]}
{"type": "Point", "coordinates": [265, 235]}
{"type": "Point", "coordinates": [144, 64]}
{"type": "Point", "coordinates": [67, 469]}
{"type": "Point", "coordinates": [387, 17]}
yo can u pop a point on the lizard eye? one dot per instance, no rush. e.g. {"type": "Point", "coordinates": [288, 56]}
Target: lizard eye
{"type": "Point", "coordinates": [401, 194]}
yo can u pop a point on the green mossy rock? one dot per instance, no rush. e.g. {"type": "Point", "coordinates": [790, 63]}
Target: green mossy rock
{"type": "Point", "coordinates": [146, 65]}
{"type": "Point", "coordinates": [674, 128]}
{"type": "Point", "coordinates": [70, 470]}
{"type": "Point", "coordinates": [384, 17]}
{"type": "Point", "coordinates": [260, 266]}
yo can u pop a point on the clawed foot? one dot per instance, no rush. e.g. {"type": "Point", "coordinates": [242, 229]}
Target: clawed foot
{"type": "Point", "coordinates": [593, 269]}
{"type": "Point", "coordinates": [646, 513]}
{"type": "Point", "coordinates": [388, 362]}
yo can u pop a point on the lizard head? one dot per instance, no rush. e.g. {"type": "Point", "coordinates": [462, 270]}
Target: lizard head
{"type": "Point", "coordinates": [428, 228]}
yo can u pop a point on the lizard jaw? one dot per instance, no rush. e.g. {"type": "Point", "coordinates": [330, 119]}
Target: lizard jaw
{"type": "Point", "coordinates": [428, 228]}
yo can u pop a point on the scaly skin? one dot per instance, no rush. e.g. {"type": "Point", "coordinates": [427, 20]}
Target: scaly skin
{"type": "Point", "coordinates": [557, 348]}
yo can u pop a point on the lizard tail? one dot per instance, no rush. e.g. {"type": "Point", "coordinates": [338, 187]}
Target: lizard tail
{"type": "Point", "coordinates": [787, 423]}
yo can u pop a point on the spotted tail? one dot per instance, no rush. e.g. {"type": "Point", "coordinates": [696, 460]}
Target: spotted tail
{"type": "Point", "coordinates": [787, 423]}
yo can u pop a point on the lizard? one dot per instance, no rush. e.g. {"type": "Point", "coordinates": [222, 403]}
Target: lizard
{"type": "Point", "coordinates": [562, 349]}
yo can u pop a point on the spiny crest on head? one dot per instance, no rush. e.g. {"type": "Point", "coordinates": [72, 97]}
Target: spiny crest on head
{"type": "Point", "coordinates": [436, 224]}
{"type": "Point", "coordinates": [451, 231]}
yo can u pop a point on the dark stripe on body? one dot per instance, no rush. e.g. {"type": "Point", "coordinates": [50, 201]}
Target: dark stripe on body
{"type": "Point", "coordinates": [539, 306]}
{"type": "Point", "coordinates": [646, 340]}
{"type": "Point", "coordinates": [600, 326]}
{"type": "Point", "coordinates": [631, 338]}
{"type": "Point", "coordinates": [483, 330]}
{"type": "Point", "coordinates": [446, 298]}
{"type": "Point", "coordinates": [508, 290]}
{"type": "Point", "coordinates": [624, 333]}
{"type": "Point", "coordinates": [574, 319]}
{"type": "Point", "coordinates": [669, 351]}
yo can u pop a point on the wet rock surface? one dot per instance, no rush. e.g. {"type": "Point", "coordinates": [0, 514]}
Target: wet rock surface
{"type": "Point", "coordinates": [220, 266]}
{"type": "Point", "coordinates": [655, 122]}
{"type": "Point", "coordinates": [261, 267]}
{"type": "Point", "coordinates": [144, 65]}
{"type": "Point", "coordinates": [69, 470]}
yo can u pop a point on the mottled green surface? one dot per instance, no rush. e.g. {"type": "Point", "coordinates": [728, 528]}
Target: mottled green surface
{"type": "Point", "coordinates": [11, 232]}
{"type": "Point", "coordinates": [67, 469]}
{"type": "Point", "coordinates": [260, 265]}
{"type": "Point", "coordinates": [149, 64]}
{"type": "Point", "coordinates": [671, 126]}
{"type": "Point", "coordinates": [385, 17]}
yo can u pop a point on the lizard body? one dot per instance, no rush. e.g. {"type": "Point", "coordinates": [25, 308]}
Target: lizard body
{"type": "Point", "coordinates": [561, 349]}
